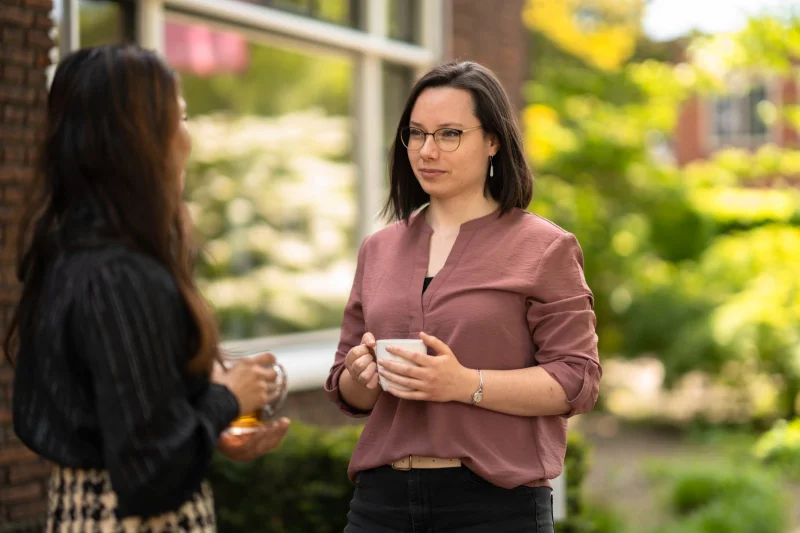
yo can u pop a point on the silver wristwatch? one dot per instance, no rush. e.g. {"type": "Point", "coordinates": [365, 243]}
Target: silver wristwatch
{"type": "Point", "coordinates": [477, 396]}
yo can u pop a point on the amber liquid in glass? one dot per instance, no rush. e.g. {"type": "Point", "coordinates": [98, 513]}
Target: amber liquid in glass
{"type": "Point", "coordinates": [245, 424]}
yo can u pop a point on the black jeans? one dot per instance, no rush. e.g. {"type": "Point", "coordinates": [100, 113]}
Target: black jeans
{"type": "Point", "coordinates": [445, 500]}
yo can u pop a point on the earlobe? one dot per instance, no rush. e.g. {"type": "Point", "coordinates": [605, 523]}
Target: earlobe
{"type": "Point", "coordinates": [494, 145]}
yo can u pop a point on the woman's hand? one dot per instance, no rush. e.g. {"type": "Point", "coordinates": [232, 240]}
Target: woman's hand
{"type": "Point", "coordinates": [360, 362]}
{"type": "Point", "coordinates": [438, 378]}
{"type": "Point", "coordinates": [253, 445]}
{"type": "Point", "coordinates": [249, 381]}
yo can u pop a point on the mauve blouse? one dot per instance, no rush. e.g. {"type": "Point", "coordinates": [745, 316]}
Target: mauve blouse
{"type": "Point", "coordinates": [511, 295]}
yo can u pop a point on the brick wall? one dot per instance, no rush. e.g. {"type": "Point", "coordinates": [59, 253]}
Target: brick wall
{"type": "Point", "coordinates": [24, 47]}
{"type": "Point", "coordinates": [491, 33]}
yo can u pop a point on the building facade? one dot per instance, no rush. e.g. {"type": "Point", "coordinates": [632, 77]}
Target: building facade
{"type": "Point", "coordinates": [708, 124]}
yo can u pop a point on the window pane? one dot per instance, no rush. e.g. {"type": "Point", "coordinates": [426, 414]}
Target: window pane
{"type": "Point", "coordinates": [403, 16]}
{"type": "Point", "coordinates": [101, 22]}
{"type": "Point", "coordinates": [757, 127]}
{"type": "Point", "coordinates": [726, 122]}
{"type": "Point", "coordinates": [397, 82]}
{"type": "Point", "coordinates": [271, 180]}
{"type": "Point", "coordinates": [341, 12]}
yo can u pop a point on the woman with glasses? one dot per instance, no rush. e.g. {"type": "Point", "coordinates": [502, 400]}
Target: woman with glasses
{"type": "Point", "coordinates": [477, 427]}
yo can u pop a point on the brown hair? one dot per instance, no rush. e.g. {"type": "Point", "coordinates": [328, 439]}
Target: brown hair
{"type": "Point", "coordinates": [112, 114]}
{"type": "Point", "coordinates": [512, 183]}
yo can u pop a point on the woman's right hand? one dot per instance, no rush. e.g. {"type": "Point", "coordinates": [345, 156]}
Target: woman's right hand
{"type": "Point", "coordinates": [249, 381]}
{"type": "Point", "coordinates": [360, 362]}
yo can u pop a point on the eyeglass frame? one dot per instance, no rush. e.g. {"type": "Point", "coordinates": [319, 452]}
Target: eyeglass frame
{"type": "Point", "coordinates": [460, 134]}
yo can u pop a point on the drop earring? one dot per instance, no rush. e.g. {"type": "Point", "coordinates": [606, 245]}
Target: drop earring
{"type": "Point", "coordinates": [491, 167]}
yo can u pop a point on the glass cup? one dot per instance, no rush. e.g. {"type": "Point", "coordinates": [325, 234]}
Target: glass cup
{"type": "Point", "coordinates": [278, 390]}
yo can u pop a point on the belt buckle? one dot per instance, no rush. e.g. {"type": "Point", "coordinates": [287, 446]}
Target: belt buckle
{"type": "Point", "coordinates": [400, 468]}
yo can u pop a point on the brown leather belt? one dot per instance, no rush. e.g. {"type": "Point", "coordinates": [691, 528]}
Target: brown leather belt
{"type": "Point", "coordinates": [418, 461]}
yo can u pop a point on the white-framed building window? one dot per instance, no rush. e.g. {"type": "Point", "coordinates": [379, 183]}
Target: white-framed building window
{"type": "Point", "coordinates": [741, 118]}
{"type": "Point", "coordinates": [293, 105]}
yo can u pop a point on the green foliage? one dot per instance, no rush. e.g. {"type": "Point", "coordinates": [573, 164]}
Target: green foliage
{"type": "Point", "coordinates": [723, 498]}
{"type": "Point", "coordinates": [696, 264]}
{"type": "Point", "coordinates": [300, 487]}
{"type": "Point", "coordinates": [303, 486]}
{"type": "Point", "coordinates": [780, 447]}
{"type": "Point", "coordinates": [273, 201]}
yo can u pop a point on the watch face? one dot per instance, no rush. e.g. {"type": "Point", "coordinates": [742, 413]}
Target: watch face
{"type": "Point", "coordinates": [478, 396]}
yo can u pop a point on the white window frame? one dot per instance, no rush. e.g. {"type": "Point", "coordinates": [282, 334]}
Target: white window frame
{"type": "Point", "coordinates": [744, 80]}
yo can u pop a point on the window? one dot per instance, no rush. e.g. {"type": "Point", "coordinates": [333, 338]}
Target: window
{"type": "Point", "coordinates": [272, 179]}
{"type": "Point", "coordinates": [736, 120]}
{"type": "Point", "coordinates": [292, 105]}
{"type": "Point", "coordinates": [98, 22]}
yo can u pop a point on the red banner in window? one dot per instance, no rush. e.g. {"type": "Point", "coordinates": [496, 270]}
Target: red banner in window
{"type": "Point", "coordinates": [202, 51]}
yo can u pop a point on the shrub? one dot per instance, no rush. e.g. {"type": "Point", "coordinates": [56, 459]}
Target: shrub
{"type": "Point", "coordinates": [780, 446]}
{"type": "Point", "coordinates": [724, 498]}
{"type": "Point", "coordinates": [303, 487]}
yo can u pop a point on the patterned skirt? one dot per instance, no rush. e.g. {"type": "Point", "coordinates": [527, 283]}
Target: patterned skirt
{"type": "Point", "coordinates": [83, 500]}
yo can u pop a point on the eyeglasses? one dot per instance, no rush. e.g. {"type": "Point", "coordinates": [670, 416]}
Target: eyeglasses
{"type": "Point", "coordinates": [447, 139]}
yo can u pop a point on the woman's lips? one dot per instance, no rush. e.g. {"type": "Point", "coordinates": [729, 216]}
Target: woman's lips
{"type": "Point", "coordinates": [429, 173]}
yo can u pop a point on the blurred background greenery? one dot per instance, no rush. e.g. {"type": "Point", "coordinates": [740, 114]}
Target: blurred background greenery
{"type": "Point", "coordinates": [693, 253]}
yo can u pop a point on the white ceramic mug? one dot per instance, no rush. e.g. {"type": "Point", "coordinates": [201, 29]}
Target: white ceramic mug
{"type": "Point", "coordinates": [414, 345]}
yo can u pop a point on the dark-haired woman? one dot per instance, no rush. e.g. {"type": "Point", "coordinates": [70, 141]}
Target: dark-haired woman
{"type": "Point", "coordinates": [116, 380]}
{"type": "Point", "coordinates": [499, 298]}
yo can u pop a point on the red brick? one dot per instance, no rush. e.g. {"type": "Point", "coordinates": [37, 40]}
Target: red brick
{"type": "Point", "coordinates": [17, 56]}
{"type": "Point", "coordinates": [36, 509]}
{"type": "Point", "coordinates": [13, 195]}
{"type": "Point", "coordinates": [13, 74]}
{"type": "Point", "coordinates": [5, 415]}
{"type": "Point", "coordinates": [31, 156]}
{"type": "Point", "coordinates": [15, 174]}
{"type": "Point", "coordinates": [13, 114]}
{"type": "Point", "coordinates": [20, 493]}
{"type": "Point", "coordinates": [16, 16]}
{"type": "Point", "coordinates": [45, 5]}
{"type": "Point", "coordinates": [36, 76]}
{"type": "Point", "coordinates": [25, 472]}
{"type": "Point", "coordinates": [11, 455]}
{"type": "Point", "coordinates": [35, 117]}
{"type": "Point", "coordinates": [40, 37]}
{"type": "Point", "coordinates": [12, 36]}
{"type": "Point", "coordinates": [12, 134]}
{"type": "Point", "coordinates": [10, 94]}
{"type": "Point", "coordinates": [12, 154]}
{"type": "Point", "coordinates": [42, 21]}
{"type": "Point", "coordinates": [42, 59]}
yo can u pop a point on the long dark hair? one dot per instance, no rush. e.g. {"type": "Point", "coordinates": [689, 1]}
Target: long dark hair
{"type": "Point", "coordinates": [112, 115]}
{"type": "Point", "coordinates": [512, 183]}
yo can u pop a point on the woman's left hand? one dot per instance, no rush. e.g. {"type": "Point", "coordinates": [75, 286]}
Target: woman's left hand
{"type": "Point", "coordinates": [438, 378]}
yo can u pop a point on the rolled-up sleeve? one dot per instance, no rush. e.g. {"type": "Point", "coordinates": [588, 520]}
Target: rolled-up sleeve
{"type": "Point", "coordinates": [563, 324]}
{"type": "Point", "coordinates": [353, 328]}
